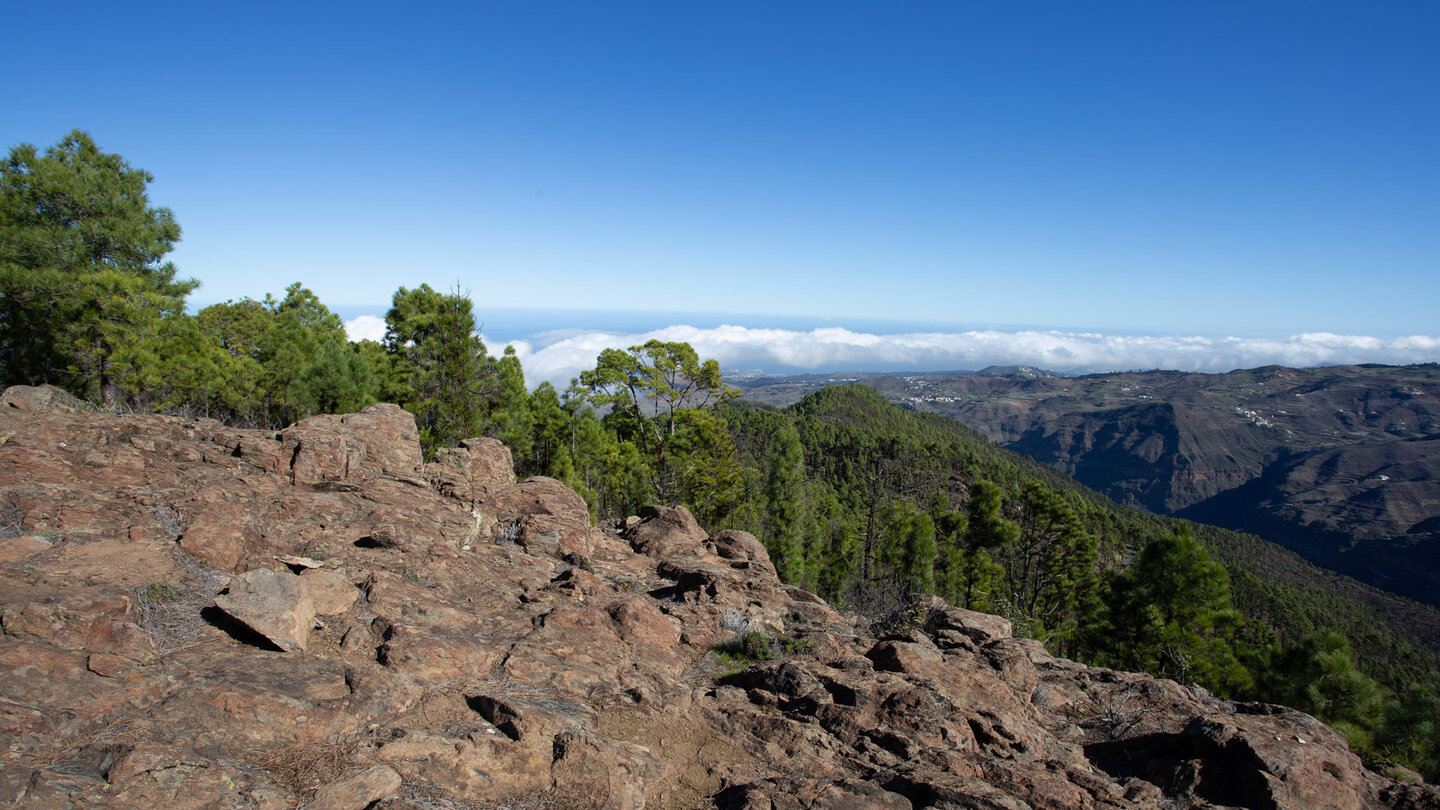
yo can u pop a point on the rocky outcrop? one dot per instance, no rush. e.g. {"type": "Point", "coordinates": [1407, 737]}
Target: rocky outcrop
{"type": "Point", "coordinates": [380, 440]}
{"type": "Point", "coordinates": [211, 617]}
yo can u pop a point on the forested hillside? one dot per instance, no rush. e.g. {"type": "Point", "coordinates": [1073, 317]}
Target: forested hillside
{"type": "Point", "coordinates": [859, 500]}
{"type": "Point", "coordinates": [864, 452]}
{"type": "Point", "coordinates": [1337, 463]}
{"type": "Point", "coordinates": [890, 500]}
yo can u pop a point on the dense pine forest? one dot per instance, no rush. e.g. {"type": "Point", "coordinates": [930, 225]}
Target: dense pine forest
{"type": "Point", "coordinates": [858, 500]}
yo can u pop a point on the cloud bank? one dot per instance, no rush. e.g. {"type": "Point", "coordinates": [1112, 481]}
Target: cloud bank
{"type": "Point", "coordinates": [366, 327]}
{"type": "Point", "coordinates": [558, 356]}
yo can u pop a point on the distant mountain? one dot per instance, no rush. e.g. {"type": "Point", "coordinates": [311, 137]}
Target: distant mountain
{"type": "Point", "coordinates": [1340, 464]}
{"type": "Point", "coordinates": [1018, 371]}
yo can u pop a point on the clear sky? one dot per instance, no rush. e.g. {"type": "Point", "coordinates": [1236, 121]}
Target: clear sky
{"type": "Point", "coordinates": [1260, 169]}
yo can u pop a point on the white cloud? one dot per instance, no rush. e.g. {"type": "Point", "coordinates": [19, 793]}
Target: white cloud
{"type": "Point", "coordinates": [365, 327]}
{"type": "Point", "coordinates": [557, 357]}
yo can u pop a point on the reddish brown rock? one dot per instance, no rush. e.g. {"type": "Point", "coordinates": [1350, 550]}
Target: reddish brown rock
{"type": "Point", "coordinates": [379, 440]}
{"type": "Point", "coordinates": [18, 548]}
{"type": "Point", "coordinates": [544, 517]}
{"type": "Point", "coordinates": [500, 649]}
{"type": "Point", "coordinates": [665, 531]}
{"type": "Point", "coordinates": [38, 398]}
{"type": "Point", "coordinates": [90, 619]}
{"type": "Point", "coordinates": [173, 778]}
{"type": "Point", "coordinates": [216, 534]}
{"type": "Point", "coordinates": [329, 591]}
{"type": "Point", "coordinates": [552, 536]}
{"type": "Point", "coordinates": [110, 666]}
{"type": "Point", "coordinates": [743, 551]}
{"type": "Point", "coordinates": [273, 604]}
{"type": "Point", "coordinates": [476, 470]}
{"type": "Point", "coordinates": [539, 495]}
{"type": "Point", "coordinates": [358, 791]}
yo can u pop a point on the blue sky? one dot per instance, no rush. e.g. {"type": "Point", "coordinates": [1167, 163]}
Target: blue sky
{"type": "Point", "coordinates": [1210, 168]}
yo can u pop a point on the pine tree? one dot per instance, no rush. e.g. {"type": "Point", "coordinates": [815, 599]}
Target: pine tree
{"type": "Point", "coordinates": [951, 527]}
{"type": "Point", "coordinates": [836, 548]}
{"type": "Point", "coordinates": [1171, 616]}
{"type": "Point", "coordinates": [987, 528]}
{"type": "Point", "coordinates": [1411, 732]}
{"type": "Point", "coordinates": [453, 378]}
{"type": "Point", "coordinates": [787, 519]}
{"type": "Point", "coordinates": [83, 281]}
{"type": "Point", "coordinates": [550, 445]}
{"type": "Point", "coordinates": [907, 546]}
{"type": "Point", "coordinates": [511, 419]}
{"type": "Point", "coordinates": [1317, 675]}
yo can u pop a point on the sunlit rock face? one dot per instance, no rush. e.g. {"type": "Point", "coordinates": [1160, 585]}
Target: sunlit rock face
{"type": "Point", "coordinates": [208, 617]}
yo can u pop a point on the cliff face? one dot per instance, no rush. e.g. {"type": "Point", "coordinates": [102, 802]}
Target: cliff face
{"type": "Point", "coordinates": [200, 616]}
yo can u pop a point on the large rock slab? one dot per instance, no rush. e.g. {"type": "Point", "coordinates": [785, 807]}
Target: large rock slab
{"type": "Point", "coordinates": [475, 470]}
{"type": "Point", "coordinates": [273, 604]}
{"type": "Point", "coordinates": [38, 398]}
{"type": "Point", "coordinates": [665, 531]}
{"type": "Point", "coordinates": [379, 440]}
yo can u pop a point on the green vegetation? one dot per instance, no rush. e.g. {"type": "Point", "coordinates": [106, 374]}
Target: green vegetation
{"type": "Point", "coordinates": [157, 593]}
{"type": "Point", "coordinates": [81, 264]}
{"type": "Point", "coordinates": [856, 499]}
{"type": "Point", "coordinates": [90, 305]}
{"type": "Point", "coordinates": [900, 503]}
{"type": "Point", "coordinates": [753, 647]}
{"type": "Point", "coordinates": [656, 395]}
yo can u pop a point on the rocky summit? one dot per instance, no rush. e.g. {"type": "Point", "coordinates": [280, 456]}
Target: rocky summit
{"type": "Point", "coordinates": [200, 616]}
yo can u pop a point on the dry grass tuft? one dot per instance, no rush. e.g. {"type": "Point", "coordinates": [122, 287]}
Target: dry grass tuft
{"type": "Point", "coordinates": [12, 517]}
{"type": "Point", "coordinates": [171, 614]}
{"type": "Point", "coordinates": [171, 624]}
{"type": "Point", "coordinates": [123, 728]}
{"type": "Point", "coordinates": [170, 520]}
{"type": "Point", "coordinates": [305, 767]}
{"type": "Point", "coordinates": [1117, 716]}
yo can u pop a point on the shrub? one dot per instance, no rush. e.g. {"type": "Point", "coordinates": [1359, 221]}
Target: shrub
{"type": "Point", "coordinates": [157, 593]}
{"type": "Point", "coordinates": [753, 647]}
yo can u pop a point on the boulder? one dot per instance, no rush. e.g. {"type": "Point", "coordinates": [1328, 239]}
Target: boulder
{"type": "Point", "coordinates": [743, 551]}
{"type": "Point", "coordinates": [539, 495]}
{"type": "Point", "coordinates": [544, 517]}
{"type": "Point", "coordinates": [979, 628]}
{"type": "Point", "coordinates": [357, 792]}
{"type": "Point", "coordinates": [475, 470]}
{"type": "Point", "coordinates": [273, 604]}
{"type": "Point", "coordinates": [379, 440]}
{"type": "Point", "coordinates": [665, 531]}
{"type": "Point", "coordinates": [39, 398]}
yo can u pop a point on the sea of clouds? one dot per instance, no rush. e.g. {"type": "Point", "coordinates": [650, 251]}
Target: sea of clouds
{"type": "Point", "coordinates": [557, 356]}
